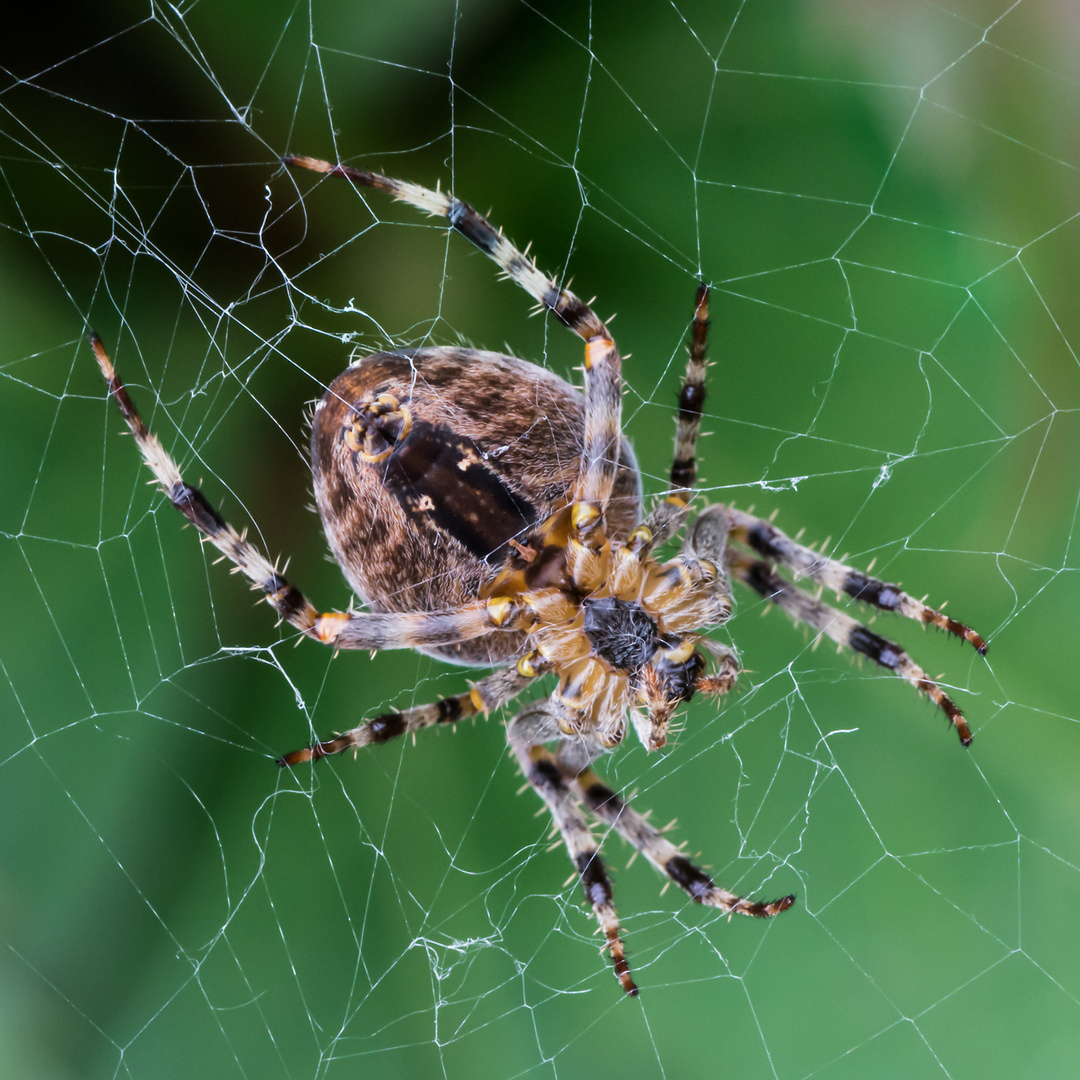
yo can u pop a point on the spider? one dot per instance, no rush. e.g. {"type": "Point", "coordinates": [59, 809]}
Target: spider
{"type": "Point", "coordinates": [490, 514]}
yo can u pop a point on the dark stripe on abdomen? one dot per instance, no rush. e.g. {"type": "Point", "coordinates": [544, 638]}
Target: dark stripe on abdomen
{"type": "Point", "coordinates": [440, 479]}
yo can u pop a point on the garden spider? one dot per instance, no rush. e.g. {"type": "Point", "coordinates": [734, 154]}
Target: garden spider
{"type": "Point", "coordinates": [490, 514]}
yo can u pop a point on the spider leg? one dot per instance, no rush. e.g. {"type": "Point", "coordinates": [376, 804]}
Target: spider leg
{"type": "Point", "coordinates": [725, 674]}
{"type": "Point", "coordinates": [664, 855]}
{"type": "Point", "coordinates": [603, 366]}
{"type": "Point", "coordinates": [846, 632]}
{"type": "Point", "coordinates": [667, 515]}
{"type": "Point", "coordinates": [484, 697]}
{"type": "Point", "coordinates": [341, 629]}
{"type": "Point", "coordinates": [769, 542]}
{"type": "Point", "coordinates": [603, 422]}
{"type": "Point", "coordinates": [525, 733]}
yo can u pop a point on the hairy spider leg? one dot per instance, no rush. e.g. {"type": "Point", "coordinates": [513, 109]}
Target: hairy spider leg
{"type": "Point", "coordinates": [847, 632]}
{"type": "Point", "coordinates": [526, 733]}
{"type": "Point", "coordinates": [566, 783]}
{"type": "Point", "coordinates": [484, 697]}
{"type": "Point", "coordinates": [637, 831]}
{"type": "Point", "coordinates": [768, 541]}
{"type": "Point", "coordinates": [340, 629]}
{"type": "Point", "coordinates": [603, 365]}
{"type": "Point", "coordinates": [668, 514]}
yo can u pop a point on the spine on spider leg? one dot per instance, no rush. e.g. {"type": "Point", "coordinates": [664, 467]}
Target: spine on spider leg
{"type": "Point", "coordinates": [568, 308]}
{"type": "Point", "coordinates": [887, 597]}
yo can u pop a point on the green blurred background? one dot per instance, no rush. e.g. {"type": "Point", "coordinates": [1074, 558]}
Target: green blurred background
{"type": "Point", "coordinates": [884, 198]}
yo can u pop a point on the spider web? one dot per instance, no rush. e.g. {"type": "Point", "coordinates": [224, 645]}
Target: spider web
{"type": "Point", "coordinates": [884, 198]}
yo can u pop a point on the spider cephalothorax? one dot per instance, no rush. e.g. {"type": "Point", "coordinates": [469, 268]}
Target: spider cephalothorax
{"type": "Point", "coordinates": [489, 513]}
{"type": "Point", "coordinates": [619, 631]}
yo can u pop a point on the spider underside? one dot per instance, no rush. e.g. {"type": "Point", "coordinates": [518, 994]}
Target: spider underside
{"type": "Point", "coordinates": [488, 513]}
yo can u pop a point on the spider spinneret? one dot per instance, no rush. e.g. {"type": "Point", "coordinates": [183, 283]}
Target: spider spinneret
{"type": "Point", "coordinates": [489, 513]}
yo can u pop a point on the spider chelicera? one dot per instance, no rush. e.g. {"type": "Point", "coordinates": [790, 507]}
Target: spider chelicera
{"type": "Point", "coordinates": [489, 513]}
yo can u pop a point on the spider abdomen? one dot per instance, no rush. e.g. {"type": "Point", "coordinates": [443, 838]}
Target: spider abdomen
{"type": "Point", "coordinates": [429, 462]}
